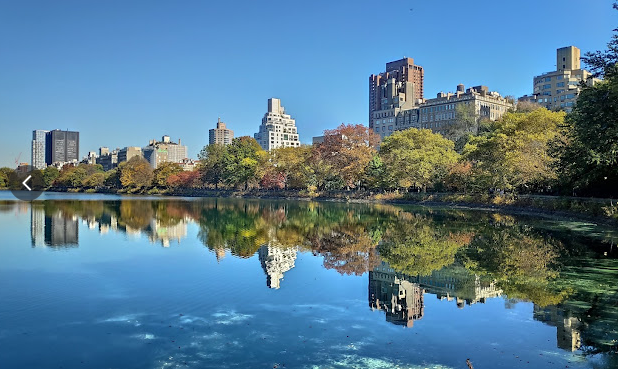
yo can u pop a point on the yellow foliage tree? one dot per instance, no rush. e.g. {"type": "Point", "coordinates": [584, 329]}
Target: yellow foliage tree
{"type": "Point", "coordinates": [514, 154]}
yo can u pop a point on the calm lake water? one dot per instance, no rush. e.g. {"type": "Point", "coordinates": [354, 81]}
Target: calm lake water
{"type": "Point", "coordinates": [91, 281]}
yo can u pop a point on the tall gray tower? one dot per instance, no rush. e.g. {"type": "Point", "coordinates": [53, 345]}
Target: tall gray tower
{"type": "Point", "coordinates": [38, 149]}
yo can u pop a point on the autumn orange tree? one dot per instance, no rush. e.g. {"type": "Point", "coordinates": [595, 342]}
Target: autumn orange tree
{"type": "Point", "coordinates": [163, 172]}
{"type": "Point", "coordinates": [184, 179]}
{"type": "Point", "coordinates": [348, 149]}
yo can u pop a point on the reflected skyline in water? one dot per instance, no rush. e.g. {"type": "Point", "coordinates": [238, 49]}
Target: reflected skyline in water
{"type": "Point", "coordinates": [408, 255]}
{"type": "Point", "coordinates": [53, 230]}
{"type": "Point", "coordinates": [568, 335]}
{"type": "Point", "coordinates": [275, 262]}
{"type": "Point", "coordinates": [402, 296]}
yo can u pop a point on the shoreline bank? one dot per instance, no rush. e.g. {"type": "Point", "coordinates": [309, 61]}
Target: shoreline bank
{"type": "Point", "coordinates": [589, 209]}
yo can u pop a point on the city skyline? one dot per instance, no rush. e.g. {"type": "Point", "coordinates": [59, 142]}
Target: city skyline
{"type": "Point", "coordinates": [150, 79]}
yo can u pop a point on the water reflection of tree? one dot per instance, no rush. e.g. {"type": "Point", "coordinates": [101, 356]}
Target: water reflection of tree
{"type": "Point", "coordinates": [135, 215]}
{"type": "Point", "coordinates": [82, 209]}
{"type": "Point", "coordinates": [416, 245]}
{"type": "Point", "coordinates": [524, 262]}
{"type": "Point", "coordinates": [348, 249]}
{"type": "Point", "coordinates": [347, 239]}
{"type": "Point", "coordinates": [593, 301]}
{"type": "Point", "coordinates": [338, 234]}
{"type": "Point", "coordinates": [241, 230]}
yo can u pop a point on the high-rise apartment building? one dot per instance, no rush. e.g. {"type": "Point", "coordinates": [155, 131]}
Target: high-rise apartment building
{"type": "Point", "coordinates": [38, 149]}
{"type": "Point", "coordinates": [220, 135]}
{"type": "Point", "coordinates": [277, 129]}
{"type": "Point", "coordinates": [158, 152]}
{"type": "Point", "coordinates": [399, 87]}
{"type": "Point", "coordinates": [61, 147]}
{"type": "Point", "coordinates": [128, 153]}
{"type": "Point", "coordinates": [558, 90]}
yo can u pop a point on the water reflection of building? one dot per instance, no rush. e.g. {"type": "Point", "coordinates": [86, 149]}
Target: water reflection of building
{"type": "Point", "coordinates": [220, 253]}
{"type": "Point", "coordinates": [156, 230]}
{"type": "Point", "coordinates": [567, 327]}
{"type": "Point", "coordinates": [276, 261]}
{"type": "Point", "coordinates": [91, 222]}
{"type": "Point", "coordinates": [164, 232]}
{"type": "Point", "coordinates": [450, 283]}
{"type": "Point", "coordinates": [56, 230]}
{"type": "Point", "coordinates": [455, 282]}
{"type": "Point", "coordinates": [37, 225]}
{"type": "Point", "coordinates": [61, 230]}
{"type": "Point", "coordinates": [401, 299]}
{"type": "Point", "coordinates": [107, 221]}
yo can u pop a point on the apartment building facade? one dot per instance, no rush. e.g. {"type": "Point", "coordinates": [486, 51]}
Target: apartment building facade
{"type": "Point", "coordinates": [220, 135]}
{"type": "Point", "coordinates": [440, 114]}
{"type": "Point", "coordinates": [558, 90]}
{"type": "Point", "coordinates": [278, 129]}
{"type": "Point", "coordinates": [402, 83]}
{"type": "Point", "coordinates": [158, 152]}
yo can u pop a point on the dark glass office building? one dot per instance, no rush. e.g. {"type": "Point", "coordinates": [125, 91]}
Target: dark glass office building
{"type": "Point", "coordinates": [61, 146]}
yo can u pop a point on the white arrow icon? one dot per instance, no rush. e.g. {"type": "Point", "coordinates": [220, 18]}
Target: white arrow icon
{"type": "Point", "coordinates": [24, 183]}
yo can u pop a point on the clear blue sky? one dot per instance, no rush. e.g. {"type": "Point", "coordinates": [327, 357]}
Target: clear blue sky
{"type": "Point", "coordinates": [123, 72]}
